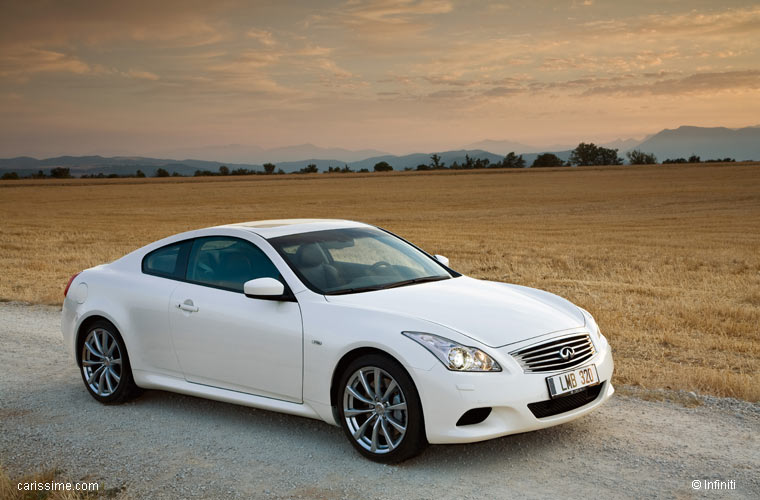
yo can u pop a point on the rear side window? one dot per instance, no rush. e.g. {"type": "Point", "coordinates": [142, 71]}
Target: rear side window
{"type": "Point", "coordinates": [227, 263]}
{"type": "Point", "coordinates": [168, 262]}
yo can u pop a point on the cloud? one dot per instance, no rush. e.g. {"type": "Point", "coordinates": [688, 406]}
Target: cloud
{"type": "Point", "coordinates": [21, 62]}
{"type": "Point", "coordinates": [142, 75]}
{"type": "Point", "coordinates": [393, 11]}
{"type": "Point", "coordinates": [448, 80]}
{"type": "Point", "coordinates": [606, 64]}
{"type": "Point", "coordinates": [448, 94]}
{"type": "Point", "coordinates": [502, 91]}
{"type": "Point", "coordinates": [383, 22]}
{"type": "Point", "coordinates": [262, 36]}
{"type": "Point", "coordinates": [171, 22]}
{"type": "Point", "coordinates": [332, 68]}
{"type": "Point", "coordinates": [698, 83]}
{"type": "Point", "coordinates": [635, 85]}
{"type": "Point", "coordinates": [734, 21]}
{"type": "Point", "coordinates": [290, 68]}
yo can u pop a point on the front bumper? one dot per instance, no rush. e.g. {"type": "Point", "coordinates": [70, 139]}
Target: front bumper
{"type": "Point", "coordinates": [447, 395]}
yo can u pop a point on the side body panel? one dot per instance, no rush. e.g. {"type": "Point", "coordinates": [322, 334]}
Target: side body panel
{"type": "Point", "coordinates": [138, 305]}
{"type": "Point", "coordinates": [238, 343]}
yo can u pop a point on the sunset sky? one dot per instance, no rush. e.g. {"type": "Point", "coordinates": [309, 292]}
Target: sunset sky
{"type": "Point", "coordinates": [399, 76]}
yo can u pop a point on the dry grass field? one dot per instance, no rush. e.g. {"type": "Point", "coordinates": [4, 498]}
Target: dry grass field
{"type": "Point", "coordinates": [666, 257]}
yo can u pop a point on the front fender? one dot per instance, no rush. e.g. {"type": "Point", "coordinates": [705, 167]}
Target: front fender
{"type": "Point", "coordinates": [333, 330]}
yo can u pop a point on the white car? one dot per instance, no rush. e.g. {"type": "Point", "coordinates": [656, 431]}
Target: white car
{"type": "Point", "coordinates": [339, 321]}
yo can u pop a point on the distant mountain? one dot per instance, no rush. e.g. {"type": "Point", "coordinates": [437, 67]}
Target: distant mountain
{"type": "Point", "coordinates": [504, 147]}
{"type": "Point", "coordinates": [293, 153]}
{"type": "Point", "coordinates": [235, 153]}
{"type": "Point", "coordinates": [708, 143]}
{"type": "Point", "coordinates": [622, 145]}
{"type": "Point", "coordinates": [121, 165]}
{"type": "Point", "coordinates": [255, 155]}
{"type": "Point", "coordinates": [397, 162]}
{"type": "Point", "coordinates": [20, 162]}
{"type": "Point", "coordinates": [412, 160]}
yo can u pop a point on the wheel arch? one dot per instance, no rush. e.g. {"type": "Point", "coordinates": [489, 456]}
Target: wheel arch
{"type": "Point", "coordinates": [348, 358]}
{"type": "Point", "coordinates": [418, 438]}
{"type": "Point", "coordinates": [82, 331]}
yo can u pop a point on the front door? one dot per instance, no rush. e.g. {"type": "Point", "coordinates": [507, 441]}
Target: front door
{"type": "Point", "coordinates": [223, 338]}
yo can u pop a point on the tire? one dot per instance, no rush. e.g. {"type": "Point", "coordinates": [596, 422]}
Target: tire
{"type": "Point", "coordinates": [104, 364]}
{"type": "Point", "coordinates": [385, 423]}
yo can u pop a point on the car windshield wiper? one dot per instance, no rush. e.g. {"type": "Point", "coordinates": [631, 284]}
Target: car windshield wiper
{"type": "Point", "coordinates": [424, 279]}
{"type": "Point", "coordinates": [356, 290]}
{"type": "Point", "coordinates": [412, 281]}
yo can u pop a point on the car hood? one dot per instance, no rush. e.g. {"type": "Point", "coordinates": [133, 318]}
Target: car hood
{"type": "Point", "coordinates": [495, 314]}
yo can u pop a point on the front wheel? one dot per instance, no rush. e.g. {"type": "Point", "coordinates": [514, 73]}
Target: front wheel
{"type": "Point", "coordinates": [380, 410]}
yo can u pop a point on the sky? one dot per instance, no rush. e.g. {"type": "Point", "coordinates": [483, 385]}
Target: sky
{"type": "Point", "coordinates": [145, 77]}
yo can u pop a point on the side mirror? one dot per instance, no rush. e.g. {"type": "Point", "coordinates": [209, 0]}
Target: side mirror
{"type": "Point", "coordinates": [263, 288]}
{"type": "Point", "coordinates": [443, 260]}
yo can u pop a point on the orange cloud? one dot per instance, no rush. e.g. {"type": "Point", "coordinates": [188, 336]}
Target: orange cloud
{"type": "Point", "coordinates": [21, 62]}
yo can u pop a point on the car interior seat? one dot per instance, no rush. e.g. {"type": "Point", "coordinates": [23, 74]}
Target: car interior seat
{"type": "Point", "coordinates": [312, 262]}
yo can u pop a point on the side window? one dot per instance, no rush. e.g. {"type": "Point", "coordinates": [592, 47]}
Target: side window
{"type": "Point", "coordinates": [168, 261]}
{"type": "Point", "coordinates": [225, 262]}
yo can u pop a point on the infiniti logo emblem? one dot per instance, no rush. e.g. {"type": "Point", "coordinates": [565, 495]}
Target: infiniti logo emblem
{"type": "Point", "coordinates": [566, 353]}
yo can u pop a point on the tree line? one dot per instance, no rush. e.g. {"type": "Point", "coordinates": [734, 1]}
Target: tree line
{"type": "Point", "coordinates": [586, 154]}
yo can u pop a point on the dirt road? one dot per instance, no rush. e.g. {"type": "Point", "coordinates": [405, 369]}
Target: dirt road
{"type": "Point", "coordinates": [170, 446]}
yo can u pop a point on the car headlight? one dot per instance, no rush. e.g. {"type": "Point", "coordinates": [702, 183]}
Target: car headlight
{"type": "Point", "coordinates": [456, 357]}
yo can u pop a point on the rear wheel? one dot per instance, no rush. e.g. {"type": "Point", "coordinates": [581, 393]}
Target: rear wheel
{"type": "Point", "coordinates": [105, 365]}
{"type": "Point", "coordinates": [380, 410]}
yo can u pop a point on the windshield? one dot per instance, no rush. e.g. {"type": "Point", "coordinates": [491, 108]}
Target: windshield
{"type": "Point", "coordinates": [339, 261]}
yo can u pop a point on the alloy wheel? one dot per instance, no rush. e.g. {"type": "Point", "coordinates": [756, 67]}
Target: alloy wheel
{"type": "Point", "coordinates": [375, 410]}
{"type": "Point", "coordinates": [101, 362]}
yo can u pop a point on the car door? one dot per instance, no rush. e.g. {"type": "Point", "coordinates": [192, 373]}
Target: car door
{"type": "Point", "coordinates": [223, 338]}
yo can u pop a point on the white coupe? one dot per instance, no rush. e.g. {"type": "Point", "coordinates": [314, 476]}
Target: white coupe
{"type": "Point", "coordinates": [339, 321]}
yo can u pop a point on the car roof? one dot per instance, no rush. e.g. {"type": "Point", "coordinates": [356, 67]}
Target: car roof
{"type": "Point", "coordinates": [281, 227]}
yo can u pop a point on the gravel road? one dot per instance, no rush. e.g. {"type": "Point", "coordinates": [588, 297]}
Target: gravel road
{"type": "Point", "coordinates": [165, 445]}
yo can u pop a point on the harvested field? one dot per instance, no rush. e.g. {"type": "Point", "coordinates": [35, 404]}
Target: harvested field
{"type": "Point", "coordinates": [667, 258]}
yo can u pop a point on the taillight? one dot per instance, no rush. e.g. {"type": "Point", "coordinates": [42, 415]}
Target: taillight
{"type": "Point", "coordinates": [68, 285]}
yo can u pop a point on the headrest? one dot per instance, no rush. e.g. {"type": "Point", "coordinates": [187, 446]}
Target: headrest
{"type": "Point", "coordinates": [310, 255]}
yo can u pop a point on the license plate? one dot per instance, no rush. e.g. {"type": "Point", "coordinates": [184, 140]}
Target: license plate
{"type": "Point", "coordinates": [572, 381]}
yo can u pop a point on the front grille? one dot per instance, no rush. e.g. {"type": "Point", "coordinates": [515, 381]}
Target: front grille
{"type": "Point", "coordinates": [565, 403]}
{"type": "Point", "coordinates": [548, 356]}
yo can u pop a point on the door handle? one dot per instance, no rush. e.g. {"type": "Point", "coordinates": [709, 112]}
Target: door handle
{"type": "Point", "coordinates": [188, 306]}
